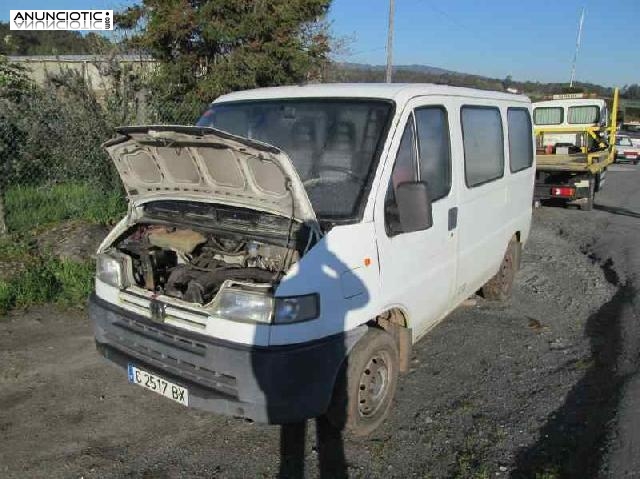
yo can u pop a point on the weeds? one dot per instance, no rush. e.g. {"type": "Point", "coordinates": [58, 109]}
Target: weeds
{"type": "Point", "coordinates": [47, 280]}
{"type": "Point", "coordinates": [469, 463]}
{"type": "Point", "coordinates": [29, 276]}
{"type": "Point", "coordinates": [468, 466]}
{"type": "Point", "coordinates": [12, 249]}
{"type": "Point", "coordinates": [28, 207]}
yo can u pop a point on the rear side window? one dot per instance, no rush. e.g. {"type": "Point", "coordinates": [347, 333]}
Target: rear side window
{"type": "Point", "coordinates": [548, 115]}
{"type": "Point", "coordinates": [483, 144]}
{"type": "Point", "coordinates": [520, 139]}
{"type": "Point", "coordinates": [580, 115]}
{"type": "Point", "coordinates": [433, 150]}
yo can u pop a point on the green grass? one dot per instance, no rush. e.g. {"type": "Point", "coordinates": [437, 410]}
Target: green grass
{"type": "Point", "coordinates": [34, 277]}
{"type": "Point", "coordinates": [46, 280]}
{"type": "Point", "coordinates": [28, 207]}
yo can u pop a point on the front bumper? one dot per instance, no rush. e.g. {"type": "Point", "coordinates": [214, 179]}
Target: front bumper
{"type": "Point", "coordinates": [629, 158]}
{"type": "Point", "coordinates": [277, 385]}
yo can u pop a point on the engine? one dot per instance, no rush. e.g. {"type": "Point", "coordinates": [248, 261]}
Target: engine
{"type": "Point", "coordinates": [192, 266]}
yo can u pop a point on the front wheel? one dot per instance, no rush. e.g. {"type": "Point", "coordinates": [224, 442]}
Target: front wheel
{"type": "Point", "coordinates": [366, 385]}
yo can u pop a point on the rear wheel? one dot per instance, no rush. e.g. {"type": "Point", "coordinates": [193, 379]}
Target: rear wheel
{"type": "Point", "coordinates": [366, 385]}
{"type": "Point", "coordinates": [499, 287]}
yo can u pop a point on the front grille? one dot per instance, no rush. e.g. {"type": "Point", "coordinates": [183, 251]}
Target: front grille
{"type": "Point", "coordinates": [160, 348]}
{"type": "Point", "coordinates": [174, 315]}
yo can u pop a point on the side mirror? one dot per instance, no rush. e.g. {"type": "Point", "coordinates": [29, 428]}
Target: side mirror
{"type": "Point", "coordinates": [414, 206]}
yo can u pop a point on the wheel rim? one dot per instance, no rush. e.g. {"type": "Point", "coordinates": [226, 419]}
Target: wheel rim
{"type": "Point", "coordinates": [374, 384]}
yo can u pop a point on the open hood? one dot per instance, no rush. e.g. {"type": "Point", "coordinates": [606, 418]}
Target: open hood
{"type": "Point", "coordinates": [190, 162]}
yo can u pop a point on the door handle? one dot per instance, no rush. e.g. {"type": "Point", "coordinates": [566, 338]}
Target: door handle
{"type": "Point", "coordinates": [453, 218]}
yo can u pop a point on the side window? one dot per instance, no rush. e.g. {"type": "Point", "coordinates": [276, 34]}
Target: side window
{"type": "Point", "coordinates": [483, 144]}
{"type": "Point", "coordinates": [404, 169]}
{"type": "Point", "coordinates": [548, 115]}
{"type": "Point", "coordinates": [520, 139]}
{"type": "Point", "coordinates": [434, 150]}
{"type": "Point", "coordinates": [581, 115]}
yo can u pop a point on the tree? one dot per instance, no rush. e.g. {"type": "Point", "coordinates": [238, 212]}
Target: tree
{"type": "Point", "coordinates": [209, 47]}
{"type": "Point", "coordinates": [30, 42]}
{"type": "Point", "coordinates": [631, 92]}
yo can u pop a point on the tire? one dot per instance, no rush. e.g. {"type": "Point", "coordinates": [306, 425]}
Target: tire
{"type": "Point", "coordinates": [366, 385]}
{"type": "Point", "coordinates": [588, 206]}
{"type": "Point", "coordinates": [499, 287]}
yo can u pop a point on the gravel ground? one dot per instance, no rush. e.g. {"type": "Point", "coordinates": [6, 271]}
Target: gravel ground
{"type": "Point", "coordinates": [545, 385]}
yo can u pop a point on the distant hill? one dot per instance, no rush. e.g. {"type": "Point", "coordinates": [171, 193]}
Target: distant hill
{"type": "Point", "coordinates": [362, 72]}
{"type": "Point", "coordinates": [414, 67]}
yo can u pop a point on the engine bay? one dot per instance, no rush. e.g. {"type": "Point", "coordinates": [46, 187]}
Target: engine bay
{"type": "Point", "coordinates": [192, 265]}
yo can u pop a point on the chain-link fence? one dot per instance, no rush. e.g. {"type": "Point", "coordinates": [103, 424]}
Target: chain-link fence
{"type": "Point", "coordinates": [59, 191]}
{"type": "Point", "coordinates": [52, 165]}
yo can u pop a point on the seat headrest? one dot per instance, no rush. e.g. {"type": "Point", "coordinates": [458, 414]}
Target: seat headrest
{"type": "Point", "coordinates": [303, 133]}
{"type": "Point", "coordinates": [342, 136]}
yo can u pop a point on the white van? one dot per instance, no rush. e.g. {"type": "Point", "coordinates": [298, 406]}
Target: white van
{"type": "Point", "coordinates": [279, 259]}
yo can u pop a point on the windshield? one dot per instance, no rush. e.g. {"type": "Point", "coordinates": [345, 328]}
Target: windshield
{"type": "Point", "coordinates": [332, 143]}
{"type": "Point", "coordinates": [624, 141]}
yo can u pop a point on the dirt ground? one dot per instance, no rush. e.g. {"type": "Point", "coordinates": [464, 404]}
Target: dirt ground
{"type": "Point", "coordinates": [543, 386]}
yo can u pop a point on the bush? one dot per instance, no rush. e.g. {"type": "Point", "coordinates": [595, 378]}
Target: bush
{"type": "Point", "coordinates": [55, 135]}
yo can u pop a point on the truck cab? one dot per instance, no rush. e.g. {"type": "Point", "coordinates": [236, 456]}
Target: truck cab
{"type": "Point", "coordinates": [576, 114]}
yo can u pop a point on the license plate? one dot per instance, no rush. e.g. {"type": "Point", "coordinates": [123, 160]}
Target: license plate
{"type": "Point", "coordinates": [158, 385]}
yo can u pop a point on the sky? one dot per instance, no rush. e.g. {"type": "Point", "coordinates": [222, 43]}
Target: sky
{"type": "Point", "coordinates": [522, 38]}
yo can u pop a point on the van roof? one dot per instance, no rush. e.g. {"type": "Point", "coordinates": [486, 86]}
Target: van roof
{"type": "Point", "coordinates": [400, 92]}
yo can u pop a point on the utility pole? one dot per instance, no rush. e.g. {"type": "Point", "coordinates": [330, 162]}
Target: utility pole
{"type": "Point", "coordinates": [390, 42]}
{"type": "Point", "coordinates": [575, 55]}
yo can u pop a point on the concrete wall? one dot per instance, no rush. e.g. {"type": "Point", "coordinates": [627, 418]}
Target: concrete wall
{"type": "Point", "coordinates": [95, 69]}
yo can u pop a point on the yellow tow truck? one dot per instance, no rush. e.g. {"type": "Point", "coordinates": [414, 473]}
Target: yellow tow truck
{"type": "Point", "coordinates": [575, 144]}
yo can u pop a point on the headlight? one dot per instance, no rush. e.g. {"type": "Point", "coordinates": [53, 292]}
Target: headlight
{"type": "Point", "coordinates": [241, 305]}
{"type": "Point", "coordinates": [296, 308]}
{"type": "Point", "coordinates": [109, 270]}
